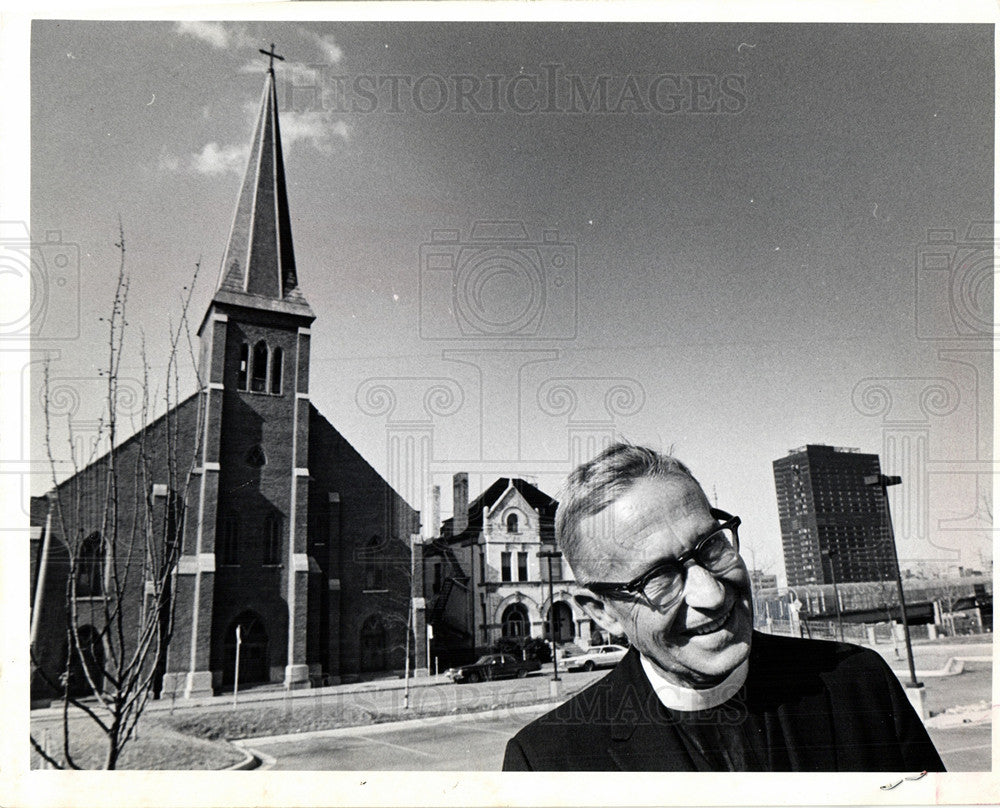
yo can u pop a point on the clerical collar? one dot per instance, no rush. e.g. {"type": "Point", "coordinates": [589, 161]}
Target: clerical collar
{"type": "Point", "coordinates": [689, 699]}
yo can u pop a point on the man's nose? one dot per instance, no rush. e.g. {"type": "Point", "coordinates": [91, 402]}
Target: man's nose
{"type": "Point", "coordinates": [702, 590]}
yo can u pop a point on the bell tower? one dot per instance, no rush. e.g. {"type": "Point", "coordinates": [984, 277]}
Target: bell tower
{"type": "Point", "coordinates": [244, 567]}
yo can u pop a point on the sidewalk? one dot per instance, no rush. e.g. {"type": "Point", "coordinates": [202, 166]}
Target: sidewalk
{"type": "Point", "coordinates": [933, 659]}
{"type": "Point", "coordinates": [269, 693]}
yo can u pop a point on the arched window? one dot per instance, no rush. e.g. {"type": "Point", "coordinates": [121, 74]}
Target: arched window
{"type": "Point", "coordinates": [374, 573]}
{"type": "Point", "coordinates": [272, 539]}
{"type": "Point", "coordinates": [276, 357]}
{"type": "Point", "coordinates": [512, 523]}
{"type": "Point", "coordinates": [90, 567]}
{"type": "Point", "coordinates": [244, 370]}
{"type": "Point", "coordinates": [514, 621]}
{"type": "Point", "coordinates": [229, 546]}
{"type": "Point", "coordinates": [258, 371]}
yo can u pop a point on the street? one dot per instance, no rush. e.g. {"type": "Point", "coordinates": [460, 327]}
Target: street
{"type": "Point", "coordinates": [466, 743]}
{"type": "Point", "coordinates": [451, 738]}
{"type": "Point", "coordinates": [476, 743]}
{"type": "Point", "coordinates": [964, 749]}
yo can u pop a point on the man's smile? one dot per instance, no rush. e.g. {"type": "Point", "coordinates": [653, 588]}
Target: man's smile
{"type": "Point", "coordinates": [712, 625]}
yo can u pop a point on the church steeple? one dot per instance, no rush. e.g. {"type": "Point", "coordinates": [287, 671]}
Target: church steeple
{"type": "Point", "coordinates": [258, 268]}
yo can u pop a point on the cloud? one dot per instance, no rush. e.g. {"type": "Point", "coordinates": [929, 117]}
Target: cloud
{"type": "Point", "coordinates": [327, 47]}
{"type": "Point", "coordinates": [232, 36]}
{"type": "Point", "coordinates": [214, 33]}
{"type": "Point", "coordinates": [214, 159]}
{"type": "Point", "coordinates": [316, 127]}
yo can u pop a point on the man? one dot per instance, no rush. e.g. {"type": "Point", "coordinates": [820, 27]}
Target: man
{"type": "Point", "coordinates": [700, 690]}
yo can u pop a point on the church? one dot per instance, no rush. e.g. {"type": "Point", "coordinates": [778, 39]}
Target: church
{"type": "Point", "coordinates": [293, 551]}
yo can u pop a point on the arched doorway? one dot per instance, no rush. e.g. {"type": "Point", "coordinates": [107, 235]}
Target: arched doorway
{"type": "Point", "coordinates": [564, 622]}
{"type": "Point", "coordinates": [514, 622]}
{"type": "Point", "coordinates": [91, 655]}
{"type": "Point", "coordinates": [254, 667]}
{"type": "Point", "coordinates": [374, 642]}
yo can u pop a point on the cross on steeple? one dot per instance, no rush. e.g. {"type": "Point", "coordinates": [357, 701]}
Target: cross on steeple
{"type": "Point", "coordinates": [273, 56]}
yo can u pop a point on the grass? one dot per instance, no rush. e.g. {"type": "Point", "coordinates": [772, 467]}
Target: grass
{"type": "Point", "coordinates": [157, 747]}
{"type": "Point", "coordinates": [292, 716]}
{"type": "Point", "coordinates": [197, 738]}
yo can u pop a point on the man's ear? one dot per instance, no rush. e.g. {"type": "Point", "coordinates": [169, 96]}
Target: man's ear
{"type": "Point", "coordinates": [598, 611]}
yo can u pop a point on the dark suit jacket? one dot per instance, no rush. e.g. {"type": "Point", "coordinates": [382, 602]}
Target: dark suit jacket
{"type": "Point", "coordinates": [819, 706]}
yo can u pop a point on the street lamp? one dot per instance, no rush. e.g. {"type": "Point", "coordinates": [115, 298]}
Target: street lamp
{"type": "Point", "coordinates": [550, 554]}
{"type": "Point", "coordinates": [829, 555]}
{"type": "Point", "coordinates": [883, 481]}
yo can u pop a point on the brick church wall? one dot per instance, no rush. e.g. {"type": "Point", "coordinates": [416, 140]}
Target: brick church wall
{"type": "Point", "coordinates": [366, 506]}
{"type": "Point", "coordinates": [80, 512]}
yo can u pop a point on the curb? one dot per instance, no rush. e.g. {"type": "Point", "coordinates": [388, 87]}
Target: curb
{"type": "Point", "coordinates": [389, 726]}
{"type": "Point", "coordinates": [250, 761]}
{"type": "Point", "coordinates": [953, 667]}
{"type": "Point", "coordinates": [262, 762]}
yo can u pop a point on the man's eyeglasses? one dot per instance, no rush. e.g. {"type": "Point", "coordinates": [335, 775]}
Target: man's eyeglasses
{"type": "Point", "coordinates": [662, 585]}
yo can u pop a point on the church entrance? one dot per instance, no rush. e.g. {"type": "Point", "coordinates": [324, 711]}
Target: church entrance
{"type": "Point", "coordinates": [374, 644]}
{"type": "Point", "coordinates": [253, 651]}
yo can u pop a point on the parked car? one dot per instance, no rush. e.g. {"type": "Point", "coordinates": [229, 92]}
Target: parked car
{"type": "Point", "coordinates": [493, 666]}
{"type": "Point", "coordinates": [598, 656]}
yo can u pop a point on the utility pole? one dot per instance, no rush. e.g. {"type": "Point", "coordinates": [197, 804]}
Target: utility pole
{"type": "Point", "coordinates": [550, 554]}
{"type": "Point", "coordinates": [883, 481]}
{"type": "Point", "coordinates": [829, 555]}
{"type": "Point", "coordinates": [472, 595]}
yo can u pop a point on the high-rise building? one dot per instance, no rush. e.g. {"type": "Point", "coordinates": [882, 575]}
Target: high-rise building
{"type": "Point", "coordinates": [832, 524]}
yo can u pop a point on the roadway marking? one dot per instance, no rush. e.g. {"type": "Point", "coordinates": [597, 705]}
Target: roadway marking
{"type": "Point", "coordinates": [394, 745]}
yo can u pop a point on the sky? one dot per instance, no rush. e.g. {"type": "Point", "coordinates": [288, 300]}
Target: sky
{"type": "Point", "coordinates": [728, 240]}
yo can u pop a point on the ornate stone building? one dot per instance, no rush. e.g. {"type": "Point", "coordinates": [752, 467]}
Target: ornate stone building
{"type": "Point", "coordinates": [485, 578]}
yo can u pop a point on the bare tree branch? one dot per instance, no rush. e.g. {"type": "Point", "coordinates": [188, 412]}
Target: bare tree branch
{"type": "Point", "coordinates": [117, 629]}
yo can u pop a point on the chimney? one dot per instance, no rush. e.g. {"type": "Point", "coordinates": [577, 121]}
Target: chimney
{"type": "Point", "coordinates": [460, 503]}
{"type": "Point", "coordinates": [435, 525]}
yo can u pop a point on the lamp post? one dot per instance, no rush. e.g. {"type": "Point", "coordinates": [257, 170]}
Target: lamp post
{"type": "Point", "coordinates": [550, 554]}
{"type": "Point", "coordinates": [829, 555]}
{"type": "Point", "coordinates": [883, 481]}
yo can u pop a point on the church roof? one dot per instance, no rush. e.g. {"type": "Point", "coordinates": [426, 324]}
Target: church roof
{"type": "Point", "coordinates": [258, 268]}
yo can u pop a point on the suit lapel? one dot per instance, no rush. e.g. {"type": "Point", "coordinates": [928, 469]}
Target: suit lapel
{"type": "Point", "coordinates": [642, 737]}
{"type": "Point", "coordinates": [796, 710]}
